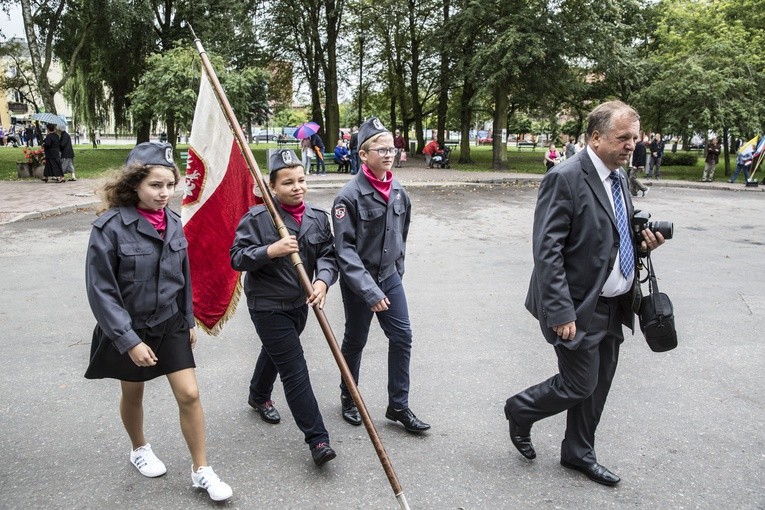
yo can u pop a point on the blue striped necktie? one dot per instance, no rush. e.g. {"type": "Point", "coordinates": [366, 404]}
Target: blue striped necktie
{"type": "Point", "coordinates": [626, 251]}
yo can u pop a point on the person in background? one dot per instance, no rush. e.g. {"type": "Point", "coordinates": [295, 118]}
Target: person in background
{"type": "Point", "coordinates": [552, 157]}
{"type": "Point", "coordinates": [743, 162]}
{"type": "Point", "coordinates": [342, 157]}
{"type": "Point", "coordinates": [38, 133]}
{"type": "Point", "coordinates": [29, 135]}
{"type": "Point", "coordinates": [139, 288]}
{"type": "Point", "coordinates": [67, 154]}
{"type": "Point", "coordinates": [710, 161]}
{"type": "Point", "coordinates": [637, 167]}
{"type": "Point", "coordinates": [318, 148]}
{"type": "Point", "coordinates": [52, 147]}
{"type": "Point", "coordinates": [354, 148]}
{"type": "Point", "coordinates": [400, 144]}
{"type": "Point", "coordinates": [657, 152]}
{"type": "Point", "coordinates": [430, 150]}
{"type": "Point", "coordinates": [570, 147]}
{"type": "Point", "coordinates": [306, 149]}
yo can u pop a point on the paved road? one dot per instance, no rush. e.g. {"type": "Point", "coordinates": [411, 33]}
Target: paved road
{"type": "Point", "coordinates": [683, 429]}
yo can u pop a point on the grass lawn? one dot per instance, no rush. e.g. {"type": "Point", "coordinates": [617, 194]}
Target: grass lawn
{"type": "Point", "coordinates": [91, 162]}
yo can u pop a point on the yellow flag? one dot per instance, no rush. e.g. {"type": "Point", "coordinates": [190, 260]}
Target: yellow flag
{"type": "Point", "coordinates": [750, 143]}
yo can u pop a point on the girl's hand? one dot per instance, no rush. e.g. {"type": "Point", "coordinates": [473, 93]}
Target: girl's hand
{"type": "Point", "coordinates": [319, 295]}
{"type": "Point", "coordinates": [142, 355]}
{"type": "Point", "coordinates": [282, 247]}
{"type": "Point", "coordinates": [193, 337]}
{"type": "Point", "coordinates": [381, 305]}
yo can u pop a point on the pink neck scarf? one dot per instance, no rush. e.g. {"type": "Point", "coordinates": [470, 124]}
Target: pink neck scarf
{"type": "Point", "coordinates": [296, 211]}
{"type": "Point", "coordinates": [382, 187]}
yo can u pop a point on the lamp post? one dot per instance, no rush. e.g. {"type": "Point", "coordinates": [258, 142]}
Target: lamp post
{"type": "Point", "coordinates": [361, 72]}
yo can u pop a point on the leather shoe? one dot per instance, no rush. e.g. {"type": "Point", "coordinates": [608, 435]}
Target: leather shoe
{"type": "Point", "coordinates": [595, 472]}
{"type": "Point", "coordinates": [520, 437]}
{"type": "Point", "coordinates": [266, 410]}
{"type": "Point", "coordinates": [350, 411]}
{"type": "Point", "coordinates": [407, 418]}
{"type": "Point", "coordinates": [322, 453]}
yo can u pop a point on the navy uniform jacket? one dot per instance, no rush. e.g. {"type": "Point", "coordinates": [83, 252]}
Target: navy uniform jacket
{"type": "Point", "coordinates": [575, 242]}
{"type": "Point", "coordinates": [370, 235]}
{"type": "Point", "coordinates": [135, 278]}
{"type": "Point", "coordinates": [273, 283]}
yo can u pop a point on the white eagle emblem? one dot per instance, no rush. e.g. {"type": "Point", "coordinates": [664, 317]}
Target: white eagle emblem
{"type": "Point", "coordinates": [287, 157]}
{"type": "Point", "coordinates": [377, 124]}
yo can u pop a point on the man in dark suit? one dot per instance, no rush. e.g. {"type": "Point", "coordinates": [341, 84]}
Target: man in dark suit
{"type": "Point", "coordinates": [582, 286]}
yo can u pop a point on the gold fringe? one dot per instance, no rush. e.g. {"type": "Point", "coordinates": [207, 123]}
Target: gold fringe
{"type": "Point", "coordinates": [218, 327]}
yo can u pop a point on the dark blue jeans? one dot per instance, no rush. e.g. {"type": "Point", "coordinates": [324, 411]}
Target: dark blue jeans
{"type": "Point", "coordinates": [354, 162]}
{"type": "Point", "coordinates": [395, 324]}
{"type": "Point", "coordinates": [739, 168]}
{"type": "Point", "coordinates": [321, 168]}
{"type": "Point", "coordinates": [279, 331]}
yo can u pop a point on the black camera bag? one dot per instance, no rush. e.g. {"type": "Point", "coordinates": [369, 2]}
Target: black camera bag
{"type": "Point", "coordinates": [657, 318]}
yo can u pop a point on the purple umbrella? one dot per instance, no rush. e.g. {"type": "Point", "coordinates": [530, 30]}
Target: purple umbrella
{"type": "Point", "coordinates": [307, 130]}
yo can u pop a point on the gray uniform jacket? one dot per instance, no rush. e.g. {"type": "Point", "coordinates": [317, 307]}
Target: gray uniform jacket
{"type": "Point", "coordinates": [575, 242]}
{"type": "Point", "coordinates": [272, 284]}
{"type": "Point", "coordinates": [370, 235]}
{"type": "Point", "coordinates": [135, 278]}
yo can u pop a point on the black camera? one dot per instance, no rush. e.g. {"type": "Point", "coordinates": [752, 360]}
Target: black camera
{"type": "Point", "coordinates": [640, 222]}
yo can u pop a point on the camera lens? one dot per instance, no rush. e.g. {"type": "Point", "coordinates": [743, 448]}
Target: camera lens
{"type": "Point", "coordinates": [665, 227]}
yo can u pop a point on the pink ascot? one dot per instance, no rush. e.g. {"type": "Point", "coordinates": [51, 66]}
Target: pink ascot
{"type": "Point", "coordinates": [296, 211]}
{"type": "Point", "coordinates": [156, 218]}
{"type": "Point", "coordinates": [383, 187]}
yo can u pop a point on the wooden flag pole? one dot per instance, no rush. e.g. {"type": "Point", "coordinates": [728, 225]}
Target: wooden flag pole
{"type": "Point", "coordinates": [305, 282]}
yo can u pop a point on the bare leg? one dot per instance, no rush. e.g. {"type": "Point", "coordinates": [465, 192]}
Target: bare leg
{"type": "Point", "coordinates": [131, 411]}
{"type": "Point", "coordinates": [186, 391]}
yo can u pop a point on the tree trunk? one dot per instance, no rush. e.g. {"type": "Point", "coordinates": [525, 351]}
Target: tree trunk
{"type": "Point", "coordinates": [332, 112]}
{"type": "Point", "coordinates": [466, 117]}
{"type": "Point", "coordinates": [414, 78]}
{"type": "Point", "coordinates": [172, 136]}
{"type": "Point", "coordinates": [726, 150]}
{"type": "Point", "coordinates": [499, 146]}
{"type": "Point", "coordinates": [443, 81]}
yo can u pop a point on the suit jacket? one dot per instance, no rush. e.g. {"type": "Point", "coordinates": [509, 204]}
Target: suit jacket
{"type": "Point", "coordinates": [575, 243]}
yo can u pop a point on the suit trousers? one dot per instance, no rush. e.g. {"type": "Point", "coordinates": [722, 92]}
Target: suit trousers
{"type": "Point", "coordinates": [282, 354]}
{"type": "Point", "coordinates": [581, 386]}
{"type": "Point", "coordinates": [396, 326]}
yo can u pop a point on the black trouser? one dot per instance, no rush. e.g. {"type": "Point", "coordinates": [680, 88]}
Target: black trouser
{"type": "Point", "coordinates": [581, 386]}
{"type": "Point", "coordinates": [279, 331]}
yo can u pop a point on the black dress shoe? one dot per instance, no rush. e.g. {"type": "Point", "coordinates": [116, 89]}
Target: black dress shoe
{"type": "Point", "coordinates": [322, 453]}
{"type": "Point", "coordinates": [266, 410]}
{"type": "Point", "coordinates": [595, 472]}
{"type": "Point", "coordinates": [350, 411]}
{"type": "Point", "coordinates": [520, 437]}
{"type": "Point", "coordinates": [407, 418]}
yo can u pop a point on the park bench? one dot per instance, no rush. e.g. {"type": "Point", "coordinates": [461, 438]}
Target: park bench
{"type": "Point", "coordinates": [520, 145]}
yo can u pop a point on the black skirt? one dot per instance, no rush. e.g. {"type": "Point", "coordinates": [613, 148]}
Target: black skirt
{"type": "Point", "coordinates": [169, 340]}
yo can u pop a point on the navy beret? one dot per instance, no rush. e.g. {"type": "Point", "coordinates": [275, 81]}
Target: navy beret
{"type": "Point", "coordinates": [370, 128]}
{"type": "Point", "coordinates": [282, 158]}
{"type": "Point", "coordinates": [152, 154]}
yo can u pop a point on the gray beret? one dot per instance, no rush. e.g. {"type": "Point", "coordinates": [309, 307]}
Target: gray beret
{"type": "Point", "coordinates": [152, 154]}
{"type": "Point", "coordinates": [282, 158]}
{"type": "Point", "coordinates": [370, 128]}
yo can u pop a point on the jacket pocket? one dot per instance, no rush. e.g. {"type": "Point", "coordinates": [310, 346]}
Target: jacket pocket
{"type": "Point", "coordinates": [372, 222]}
{"type": "Point", "coordinates": [135, 262]}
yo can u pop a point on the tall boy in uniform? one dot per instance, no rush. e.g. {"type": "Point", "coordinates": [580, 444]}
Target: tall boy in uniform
{"type": "Point", "coordinates": [371, 217]}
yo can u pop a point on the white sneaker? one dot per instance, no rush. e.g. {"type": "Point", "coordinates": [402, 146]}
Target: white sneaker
{"type": "Point", "coordinates": [205, 478]}
{"type": "Point", "coordinates": [146, 462]}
